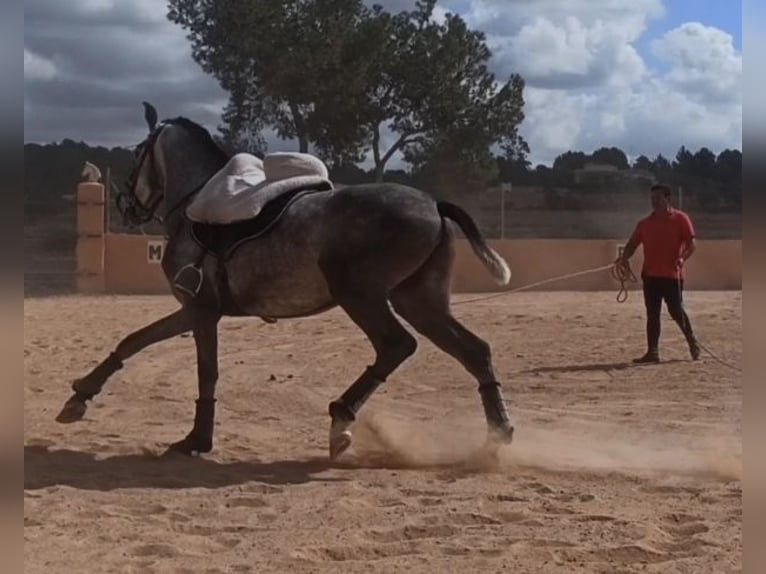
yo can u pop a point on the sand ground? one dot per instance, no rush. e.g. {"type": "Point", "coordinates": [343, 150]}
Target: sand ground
{"type": "Point", "coordinates": [615, 468]}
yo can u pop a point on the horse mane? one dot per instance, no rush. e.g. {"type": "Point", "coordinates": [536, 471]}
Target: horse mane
{"type": "Point", "coordinates": [200, 131]}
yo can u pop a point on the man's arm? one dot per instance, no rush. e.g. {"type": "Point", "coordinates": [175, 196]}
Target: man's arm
{"type": "Point", "coordinates": [630, 248]}
{"type": "Point", "coordinates": [688, 249]}
{"type": "Point", "coordinates": [690, 243]}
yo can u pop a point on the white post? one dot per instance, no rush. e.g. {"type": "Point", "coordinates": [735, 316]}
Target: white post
{"type": "Point", "coordinates": [504, 187]}
{"type": "Point", "coordinates": [502, 211]}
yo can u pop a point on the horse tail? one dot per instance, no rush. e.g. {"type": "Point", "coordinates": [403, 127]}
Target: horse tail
{"type": "Point", "coordinates": [491, 259]}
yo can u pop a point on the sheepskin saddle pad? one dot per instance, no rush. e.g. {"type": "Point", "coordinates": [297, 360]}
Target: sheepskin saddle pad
{"type": "Point", "coordinates": [248, 196]}
{"type": "Point", "coordinates": [241, 189]}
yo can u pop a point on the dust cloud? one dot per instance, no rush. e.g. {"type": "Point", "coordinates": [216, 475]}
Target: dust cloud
{"type": "Point", "coordinates": [384, 440]}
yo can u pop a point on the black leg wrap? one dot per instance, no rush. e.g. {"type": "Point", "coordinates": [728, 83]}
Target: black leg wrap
{"type": "Point", "coordinates": [91, 384]}
{"type": "Point", "coordinates": [346, 407]}
{"type": "Point", "coordinates": [200, 439]}
{"type": "Point", "coordinates": [204, 417]}
{"type": "Point", "coordinates": [495, 410]}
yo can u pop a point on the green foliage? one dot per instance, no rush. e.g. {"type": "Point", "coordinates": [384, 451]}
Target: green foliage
{"type": "Point", "coordinates": [643, 162]}
{"type": "Point", "coordinates": [570, 161]}
{"type": "Point", "coordinates": [335, 73]}
{"type": "Point", "coordinates": [274, 57]}
{"type": "Point", "coordinates": [52, 172]}
{"type": "Point", "coordinates": [611, 156]}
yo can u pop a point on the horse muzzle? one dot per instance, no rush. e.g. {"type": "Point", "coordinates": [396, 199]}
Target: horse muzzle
{"type": "Point", "coordinates": [132, 211]}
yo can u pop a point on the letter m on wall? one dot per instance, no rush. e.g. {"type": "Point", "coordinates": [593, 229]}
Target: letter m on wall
{"type": "Point", "coordinates": [154, 251]}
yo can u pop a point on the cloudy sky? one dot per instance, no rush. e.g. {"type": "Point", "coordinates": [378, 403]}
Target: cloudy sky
{"type": "Point", "coordinates": [645, 75]}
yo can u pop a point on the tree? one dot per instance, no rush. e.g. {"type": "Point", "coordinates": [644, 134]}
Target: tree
{"type": "Point", "coordinates": [514, 166]}
{"type": "Point", "coordinates": [684, 162]}
{"type": "Point", "coordinates": [437, 89]}
{"type": "Point", "coordinates": [728, 166]}
{"type": "Point", "coordinates": [611, 156]}
{"type": "Point", "coordinates": [643, 162]}
{"type": "Point", "coordinates": [457, 162]}
{"type": "Point", "coordinates": [704, 163]}
{"type": "Point", "coordinates": [728, 173]}
{"type": "Point", "coordinates": [570, 161]}
{"type": "Point", "coordinates": [242, 127]}
{"type": "Point", "coordinates": [272, 56]}
{"type": "Point", "coordinates": [337, 74]}
{"type": "Point", "coordinates": [662, 169]}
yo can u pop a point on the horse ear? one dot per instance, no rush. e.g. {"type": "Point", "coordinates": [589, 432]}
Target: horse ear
{"type": "Point", "coordinates": [150, 115]}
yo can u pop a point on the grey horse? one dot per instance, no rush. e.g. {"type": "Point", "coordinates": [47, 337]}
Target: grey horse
{"type": "Point", "coordinates": [366, 248]}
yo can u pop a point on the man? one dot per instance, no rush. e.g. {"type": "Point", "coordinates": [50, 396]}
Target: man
{"type": "Point", "coordinates": [667, 236]}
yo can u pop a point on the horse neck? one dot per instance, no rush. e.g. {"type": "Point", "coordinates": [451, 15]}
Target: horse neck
{"type": "Point", "coordinates": [186, 172]}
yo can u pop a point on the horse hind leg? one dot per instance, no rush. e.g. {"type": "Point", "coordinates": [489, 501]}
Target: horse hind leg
{"type": "Point", "coordinates": [423, 301]}
{"type": "Point", "coordinates": [392, 344]}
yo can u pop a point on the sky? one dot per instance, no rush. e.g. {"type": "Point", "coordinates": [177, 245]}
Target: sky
{"type": "Point", "coordinates": [647, 76]}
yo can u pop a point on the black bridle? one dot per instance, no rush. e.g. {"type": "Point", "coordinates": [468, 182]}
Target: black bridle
{"type": "Point", "coordinates": [133, 211]}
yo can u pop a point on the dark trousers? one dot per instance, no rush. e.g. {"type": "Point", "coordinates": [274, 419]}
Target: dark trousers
{"type": "Point", "coordinates": [657, 290]}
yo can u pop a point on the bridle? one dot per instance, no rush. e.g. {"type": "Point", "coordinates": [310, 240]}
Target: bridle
{"type": "Point", "coordinates": [133, 211]}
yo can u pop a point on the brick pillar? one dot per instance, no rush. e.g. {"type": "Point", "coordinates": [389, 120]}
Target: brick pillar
{"type": "Point", "coordinates": [90, 238]}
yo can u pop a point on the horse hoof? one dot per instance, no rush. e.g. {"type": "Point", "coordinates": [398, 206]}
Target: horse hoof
{"type": "Point", "coordinates": [501, 436]}
{"type": "Point", "coordinates": [72, 411]}
{"type": "Point", "coordinates": [191, 446]}
{"type": "Point", "coordinates": [339, 443]}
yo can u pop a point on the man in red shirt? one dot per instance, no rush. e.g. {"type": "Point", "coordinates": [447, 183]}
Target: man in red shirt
{"type": "Point", "coordinates": [667, 236]}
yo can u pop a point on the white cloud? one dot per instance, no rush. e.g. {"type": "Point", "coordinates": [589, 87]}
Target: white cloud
{"type": "Point", "coordinates": [552, 119]}
{"type": "Point", "coordinates": [705, 63]}
{"type": "Point", "coordinates": [542, 48]}
{"type": "Point", "coordinates": [38, 68]}
{"type": "Point", "coordinates": [587, 85]}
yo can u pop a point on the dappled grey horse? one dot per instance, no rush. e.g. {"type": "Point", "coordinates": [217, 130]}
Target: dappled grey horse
{"type": "Point", "coordinates": [359, 247]}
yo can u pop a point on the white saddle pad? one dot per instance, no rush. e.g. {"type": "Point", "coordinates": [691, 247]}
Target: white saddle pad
{"type": "Point", "coordinates": [245, 184]}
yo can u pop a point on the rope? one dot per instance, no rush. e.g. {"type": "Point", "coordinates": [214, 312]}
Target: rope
{"type": "Point", "coordinates": [623, 275]}
{"type": "Point", "coordinates": [724, 363]}
{"type": "Point", "coordinates": [708, 351]}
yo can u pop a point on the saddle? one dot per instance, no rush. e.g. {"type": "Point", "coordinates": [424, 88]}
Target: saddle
{"type": "Point", "coordinates": [243, 187]}
{"type": "Point", "coordinates": [242, 202]}
{"type": "Point", "coordinates": [222, 239]}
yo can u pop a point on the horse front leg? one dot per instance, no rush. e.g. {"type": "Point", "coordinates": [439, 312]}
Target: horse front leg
{"type": "Point", "coordinates": [91, 384]}
{"type": "Point", "coordinates": [200, 439]}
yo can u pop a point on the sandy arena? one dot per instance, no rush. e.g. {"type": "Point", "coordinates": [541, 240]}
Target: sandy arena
{"type": "Point", "coordinates": [615, 468]}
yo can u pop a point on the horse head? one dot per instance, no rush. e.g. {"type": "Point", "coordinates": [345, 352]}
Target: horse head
{"type": "Point", "coordinates": [173, 162]}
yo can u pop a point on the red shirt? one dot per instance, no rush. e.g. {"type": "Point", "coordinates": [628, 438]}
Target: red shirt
{"type": "Point", "coordinates": [663, 236]}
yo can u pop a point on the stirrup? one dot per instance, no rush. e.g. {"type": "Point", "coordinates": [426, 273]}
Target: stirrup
{"type": "Point", "coordinates": [190, 291]}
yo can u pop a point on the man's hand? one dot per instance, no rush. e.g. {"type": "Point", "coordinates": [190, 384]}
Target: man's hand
{"type": "Point", "coordinates": [680, 262]}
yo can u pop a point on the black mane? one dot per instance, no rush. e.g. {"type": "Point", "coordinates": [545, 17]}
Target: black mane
{"type": "Point", "coordinates": [197, 129]}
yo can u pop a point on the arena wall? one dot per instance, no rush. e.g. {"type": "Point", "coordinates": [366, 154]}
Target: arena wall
{"type": "Point", "coordinates": [130, 264]}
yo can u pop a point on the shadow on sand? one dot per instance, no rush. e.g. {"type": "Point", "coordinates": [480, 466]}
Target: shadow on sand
{"type": "Point", "coordinates": [44, 467]}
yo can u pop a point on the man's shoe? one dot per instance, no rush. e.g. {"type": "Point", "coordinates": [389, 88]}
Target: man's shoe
{"type": "Point", "coordinates": [649, 357]}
